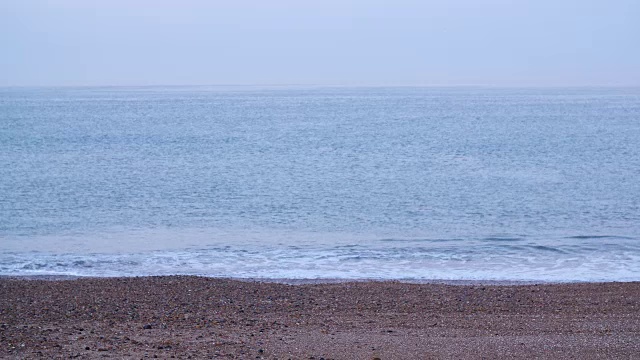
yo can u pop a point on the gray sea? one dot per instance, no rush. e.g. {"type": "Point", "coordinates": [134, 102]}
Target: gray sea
{"type": "Point", "coordinates": [407, 183]}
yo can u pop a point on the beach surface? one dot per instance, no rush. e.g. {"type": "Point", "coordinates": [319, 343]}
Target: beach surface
{"type": "Point", "coordinates": [193, 317]}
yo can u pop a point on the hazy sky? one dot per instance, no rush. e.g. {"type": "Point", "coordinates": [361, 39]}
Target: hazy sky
{"type": "Point", "coordinates": [332, 42]}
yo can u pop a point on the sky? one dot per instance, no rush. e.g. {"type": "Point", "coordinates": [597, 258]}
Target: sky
{"type": "Point", "coordinates": [320, 42]}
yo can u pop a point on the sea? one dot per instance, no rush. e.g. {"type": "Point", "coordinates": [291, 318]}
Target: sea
{"type": "Point", "coordinates": [321, 183]}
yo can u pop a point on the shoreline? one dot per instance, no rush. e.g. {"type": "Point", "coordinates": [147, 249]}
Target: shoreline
{"type": "Point", "coordinates": [198, 317]}
{"type": "Point", "coordinates": [301, 281]}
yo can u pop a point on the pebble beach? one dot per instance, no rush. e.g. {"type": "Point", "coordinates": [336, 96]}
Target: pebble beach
{"type": "Point", "coordinates": [186, 317]}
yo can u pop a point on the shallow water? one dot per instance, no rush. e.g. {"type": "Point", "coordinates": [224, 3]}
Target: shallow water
{"type": "Point", "coordinates": [303, 182]}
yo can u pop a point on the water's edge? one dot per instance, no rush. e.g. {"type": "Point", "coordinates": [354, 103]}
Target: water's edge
{"type": "Point", "coordinates": [316, 281]}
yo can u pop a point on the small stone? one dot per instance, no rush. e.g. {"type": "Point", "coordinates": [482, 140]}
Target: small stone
{"type": "Point", "coordinates": [147, 327]}
{"type": "Point", "coordinates": [87, 348]}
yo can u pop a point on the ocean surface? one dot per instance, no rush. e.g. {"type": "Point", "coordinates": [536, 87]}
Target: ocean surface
{"type": "Point", "coordinates": [406, 183]}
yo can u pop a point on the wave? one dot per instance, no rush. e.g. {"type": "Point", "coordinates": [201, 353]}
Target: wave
{"type": "Point", "coordinates": [386, 260]}
{"type": "Point", "coordinates": [589, 237]}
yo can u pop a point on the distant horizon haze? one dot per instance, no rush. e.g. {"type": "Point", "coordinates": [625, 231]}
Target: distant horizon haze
{"type": "Point", "coordinates": [495, 43]}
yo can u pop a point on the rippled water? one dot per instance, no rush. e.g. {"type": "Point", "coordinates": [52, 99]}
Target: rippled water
{"type": "Point", "coordinates": [303, 182]}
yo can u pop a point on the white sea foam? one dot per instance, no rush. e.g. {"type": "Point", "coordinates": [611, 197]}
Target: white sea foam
{"type": "Point", "coordinates": [339, 256]}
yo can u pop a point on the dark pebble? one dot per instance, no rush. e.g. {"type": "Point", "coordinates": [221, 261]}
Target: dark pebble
{"type": "Point", "coordinates": [146, 327]}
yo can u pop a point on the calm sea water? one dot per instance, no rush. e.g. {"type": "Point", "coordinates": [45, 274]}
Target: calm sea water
{"type": "Point", "coordinates": [303, 182]}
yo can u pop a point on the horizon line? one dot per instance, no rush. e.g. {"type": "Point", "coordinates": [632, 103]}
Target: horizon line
{"type": "Point", "coordinates": [240, 85]}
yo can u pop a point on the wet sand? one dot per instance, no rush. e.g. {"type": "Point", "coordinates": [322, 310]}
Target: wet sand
{"type": "Point", "coordinates": [192, 317]}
